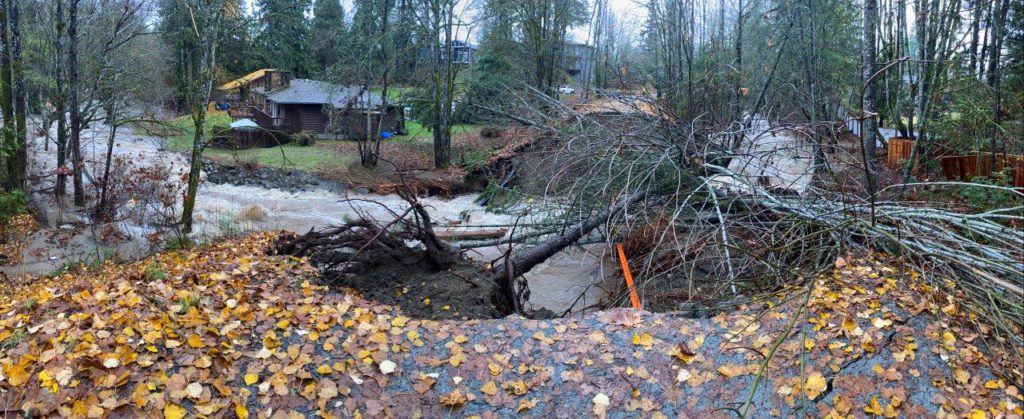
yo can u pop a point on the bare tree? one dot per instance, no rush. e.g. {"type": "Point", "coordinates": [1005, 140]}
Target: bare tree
{"type": "Point", "coordinates": [868, 108]}
{"type": "Point", "coordinates": [197, 50]}
{"type": "Point", "coordinates": [78, 189]}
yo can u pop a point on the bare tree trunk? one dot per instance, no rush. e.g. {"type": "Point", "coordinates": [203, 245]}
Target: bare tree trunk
{"type": "Point", "coordinates": [18, 156]}
{"type": "Point", "coordinates": [6, 87]}
{"type": "Point", "coordinates": [994, 77]}
{"type": "Point", "coordinates": [737, 68]}
{"type": "Point", "coordinates": [199, 76]}
{"type": "Point", "coordinates": [975, 26]}
{"type": "Point", "coordinates": [195, 169]}
{"type": "Point", "coordinates": [868, 109]}
{"type": "Point", "coordinates": [60, 189]}
{"type": "Point", "coordinates": [985, 42]}
{"type": "Point", "coordinates": [103, 207]}
{"type": "Point", "coordinates": [76, 120]}
{"type": "Point", "coordinates": [442, 81]}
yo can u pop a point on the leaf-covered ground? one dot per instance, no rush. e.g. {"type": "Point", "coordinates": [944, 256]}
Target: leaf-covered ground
{"type": "Point", "coordinates": [229, 331]}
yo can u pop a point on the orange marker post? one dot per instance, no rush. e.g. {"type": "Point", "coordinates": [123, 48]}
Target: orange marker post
{"type": "Point", "coordinates": [633, 297]}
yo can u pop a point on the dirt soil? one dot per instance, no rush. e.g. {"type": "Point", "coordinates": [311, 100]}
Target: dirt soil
{"type": "Point", "coordinates": [463, 292]}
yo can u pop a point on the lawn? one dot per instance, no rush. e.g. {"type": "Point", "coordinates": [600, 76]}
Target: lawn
{"type": "Point", "coordinates": [324, 154]}
{"type": "Point", "coordinates": [419, 132]}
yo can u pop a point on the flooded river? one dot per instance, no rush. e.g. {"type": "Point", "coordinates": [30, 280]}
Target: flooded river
{"type": "Point", "coordinates": [571, 277]}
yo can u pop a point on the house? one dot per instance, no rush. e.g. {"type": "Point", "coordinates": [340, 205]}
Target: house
{"type": "Point", "coordinates": [578, 62]}
{"type": "Point", "coordinates": [275, 101]}
{"type": "Point", "coordinates": [463, 53]}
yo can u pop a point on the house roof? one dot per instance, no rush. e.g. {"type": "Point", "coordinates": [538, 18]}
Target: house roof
{"type": "Point", "coordinates": [312, 92]}
{"type": "Point", "coordinates": [246, 79]}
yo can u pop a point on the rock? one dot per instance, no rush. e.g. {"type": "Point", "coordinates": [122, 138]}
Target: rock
{"type": "Point", "coordinates": [264, 177]}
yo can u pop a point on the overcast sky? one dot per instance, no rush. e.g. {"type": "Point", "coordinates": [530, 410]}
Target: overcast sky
{"type": "Point", "coordinates": [629, 13]}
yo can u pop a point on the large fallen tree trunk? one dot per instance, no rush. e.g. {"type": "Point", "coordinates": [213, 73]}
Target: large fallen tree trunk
{"type": "Point", "coordinates": [505, 274]}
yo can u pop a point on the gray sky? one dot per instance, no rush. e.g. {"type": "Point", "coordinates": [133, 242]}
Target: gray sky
{"type": "Point", "coordinates": [628, 12]}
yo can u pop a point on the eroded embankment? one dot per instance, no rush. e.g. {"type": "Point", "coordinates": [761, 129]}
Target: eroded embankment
{"type": "Point", "coordinates": [227, 329]}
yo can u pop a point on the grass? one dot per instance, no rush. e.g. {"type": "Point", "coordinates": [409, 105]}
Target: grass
{"type": "Point", "coordinates": [419, 132]}
{"type": "Point", "coordinates": [395, 94]}
{"type": "Point", "coordinates": [322, 155]}
{"type": "Point", "coordinates": [288, 156]}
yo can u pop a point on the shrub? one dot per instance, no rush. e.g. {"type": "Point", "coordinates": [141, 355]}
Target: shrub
{"type": "Point", "coordinates": [11, 204]}
{"type": "Point", "coordinates": [304, 138]}
{"type": "Point", "coordinates": [983, 198]}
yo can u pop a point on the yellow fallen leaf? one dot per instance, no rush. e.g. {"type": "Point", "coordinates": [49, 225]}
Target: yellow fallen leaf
{"type": "Point", "coordinates": [644, 339]}
{"type": "Point", "coordinates": [489, 388]}
{"type": "Point", "coordinates": [809, 343]}
{"type": "Point", "coordinates": [525, 405]}
{"type": "Point", "coordinates": [875, 408]}
{"type": "Point", "coordinates": [977, 414]}
{"type": "Point", "coordinates": [195, 341]}
{"type": "Point", "coordinates": [815, 385]}
{"type": "Point", "coordinates": [460, 339]}
{"type": "Point", "coordinates": [251, 379]}
{"type": "Point", "coordinates": [173, 411]}
{"type": "Point", "coordinates": [47, 381]}
{"type": "Point", "coordinates": [517, 387]}
{"type": "Point", "coordinates": [455, 398]}
{"type": "Point", "coordinates": [241, 411]}
{"type": "Point", "coordinates": [961, 376]}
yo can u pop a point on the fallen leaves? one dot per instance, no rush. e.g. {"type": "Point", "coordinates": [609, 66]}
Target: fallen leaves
{"type": "Point", "coordinates": [815, 385]}
{"type": "Point", "coordinates": [266, 339]}
{"type": "Point", "coordinates": [601, 403]}
{"type": "Point", "coordinates": [454, 399]}
{"type": "Point", "coordinates": [489, 388]}
{"type": "Point", "coordinates": [387, 367]}
{"type": "Point", "coordinates": [173, 411]}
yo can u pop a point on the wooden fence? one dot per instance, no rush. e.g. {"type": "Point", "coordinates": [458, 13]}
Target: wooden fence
{"type": "Point", "coordinates": [968, 167]}
{"type": "Point", "coordinates": [899, 151]}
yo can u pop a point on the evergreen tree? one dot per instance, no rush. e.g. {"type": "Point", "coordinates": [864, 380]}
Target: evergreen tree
{"type": "Point", "coordinates": [283, 40]}
{"type": "Point", "coordinates": [237, 52]}
{"type": "Point", "coordinates": [327, 30]}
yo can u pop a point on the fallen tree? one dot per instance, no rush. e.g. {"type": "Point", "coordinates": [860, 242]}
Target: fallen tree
{"type": "Point", "coordinates": [509, 295]}
{"type": "Point", "coordinates": [748, 236]}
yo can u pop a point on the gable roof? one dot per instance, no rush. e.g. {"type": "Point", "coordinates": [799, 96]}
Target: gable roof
{"type": "Point", "coordinates": [313, 92]}
{"type": "Point", "coordinates": [246, 79]}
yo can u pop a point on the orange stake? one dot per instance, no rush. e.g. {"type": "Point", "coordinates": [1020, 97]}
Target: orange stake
{"type": "Point", "coordinates": [633, 297]}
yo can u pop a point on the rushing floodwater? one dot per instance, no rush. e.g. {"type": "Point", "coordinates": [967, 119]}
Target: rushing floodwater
{"type": "Point", "coordinates": [554, 285]}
